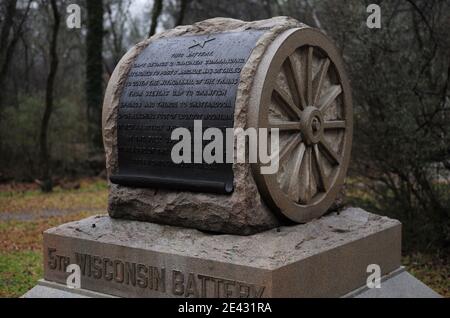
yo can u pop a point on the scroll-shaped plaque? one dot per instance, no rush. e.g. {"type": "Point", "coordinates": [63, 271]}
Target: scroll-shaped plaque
{"type": "Point", "coordinates": [174, 82]}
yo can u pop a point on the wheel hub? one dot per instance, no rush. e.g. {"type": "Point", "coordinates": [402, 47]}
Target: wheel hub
{"type": "Point", "coordinates": [312, 125]}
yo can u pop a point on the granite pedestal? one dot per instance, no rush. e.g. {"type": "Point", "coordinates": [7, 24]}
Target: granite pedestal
{"type": "Point", "coordinates": [324, 258]}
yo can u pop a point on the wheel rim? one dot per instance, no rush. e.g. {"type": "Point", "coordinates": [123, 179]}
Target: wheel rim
{"type": "Point", "coordinates": [306, 95]}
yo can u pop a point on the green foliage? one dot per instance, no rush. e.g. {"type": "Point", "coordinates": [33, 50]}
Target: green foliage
{"type": "Point", "coordinates": [400, 78]}
{"type": "Point", "coordinates": [20, 132]}
{"type": "Point", "coordinates": [20, 144]}
{"type": "Point", "coordinates": [423, 229]}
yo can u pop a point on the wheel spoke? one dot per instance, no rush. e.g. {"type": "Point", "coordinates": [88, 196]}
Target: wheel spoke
{"type": "Point", "coordinates": [305, 188]}
{"type": "Point", "coordinates": [319, 166]}
{"type": "Point", "coordinates": [287, 101]}
{"type": "Point", "coordinates": [290, 146]}
{"type": "Point", "coordinates": [329, 152]}
{"type": "Point", "coordinates": [293, 191]}
{"type": "Point", "coordinates": [319, 79]}
{"type": "Point", "coordinates": [295, 81]}
{"type": "Point", "coordinates": [335, 124]}
{"type": "Point", "coordinates": [285, 125]}
{"type": "Point", "coordinates": [330, 96]}
{"type": "Point", "coordinates": [309, 71]}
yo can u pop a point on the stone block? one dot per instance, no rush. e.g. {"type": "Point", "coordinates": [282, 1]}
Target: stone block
{"type": "Point", "coordinates": [327, 257]}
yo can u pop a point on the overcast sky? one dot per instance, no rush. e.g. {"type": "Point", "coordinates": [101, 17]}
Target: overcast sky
{"type": "Point", "coordinates": [141, 9]}
{"type": "Point", "coordinates": [138, 5]}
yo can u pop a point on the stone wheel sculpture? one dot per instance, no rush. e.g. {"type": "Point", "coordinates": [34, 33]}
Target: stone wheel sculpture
{"type": "Point", "coordinates": [302, 89]}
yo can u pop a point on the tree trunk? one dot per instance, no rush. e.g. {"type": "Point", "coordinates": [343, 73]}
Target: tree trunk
{"type": "Point", "coordinates": [46, 180]}
{"type": "Point", "coordinates": [9, 36]}
{"type": "Point", "coordinates": [183, 7]}
{"type": "Point", "coordinates": [94, 71]}
{"type": "Point", "coordinates": [156, 12]}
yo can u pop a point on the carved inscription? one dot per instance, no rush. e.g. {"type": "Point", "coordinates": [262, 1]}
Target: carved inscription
{"type": "Point", "coordinates": [147, 277]}
{"type": "Point", "coordinates": [173, 82]}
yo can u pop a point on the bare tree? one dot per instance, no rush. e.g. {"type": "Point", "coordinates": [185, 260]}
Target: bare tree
{"type": "Point", "coordinates": [46, 181]}
{"type": "Point", "coordinates": [10, 34]}
{"type": "Point", "coordinates": [156, 12]}
{"type": "Point", "coordinates": [183, 6]}
{"type": "Point", "coordinates": [94, 71]}
{"type": "Point", "coordinates": [120, 28]}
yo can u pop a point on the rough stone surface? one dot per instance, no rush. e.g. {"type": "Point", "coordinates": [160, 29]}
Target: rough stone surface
{"type": "Point", "coordinates": [259, 250]}
{"type": "Point", "coordinates": [327, 257]}
{"type": "Point", "coordinates": [243, 212]}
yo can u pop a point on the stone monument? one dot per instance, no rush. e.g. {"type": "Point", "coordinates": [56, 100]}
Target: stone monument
{"type": "Point", "coordinates": [275, 73]}
{"type": "Point", "coordinates": [226, 229]}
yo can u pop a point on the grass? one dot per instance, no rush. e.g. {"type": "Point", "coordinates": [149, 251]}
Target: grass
{"type": "Point", "coordinates": [27, 235]}
{"type": "Point", "coordinates": [432, 269]}
{"type": "Point", "coordinates": [92, 195]}
{"type": "Point", "coordinates": [19, 271]}
{"type": "Point", "coordinates": [21, 239]}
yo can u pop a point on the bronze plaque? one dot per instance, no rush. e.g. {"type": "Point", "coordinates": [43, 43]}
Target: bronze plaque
{"type": "Point", "coordinates": [172, 83]}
